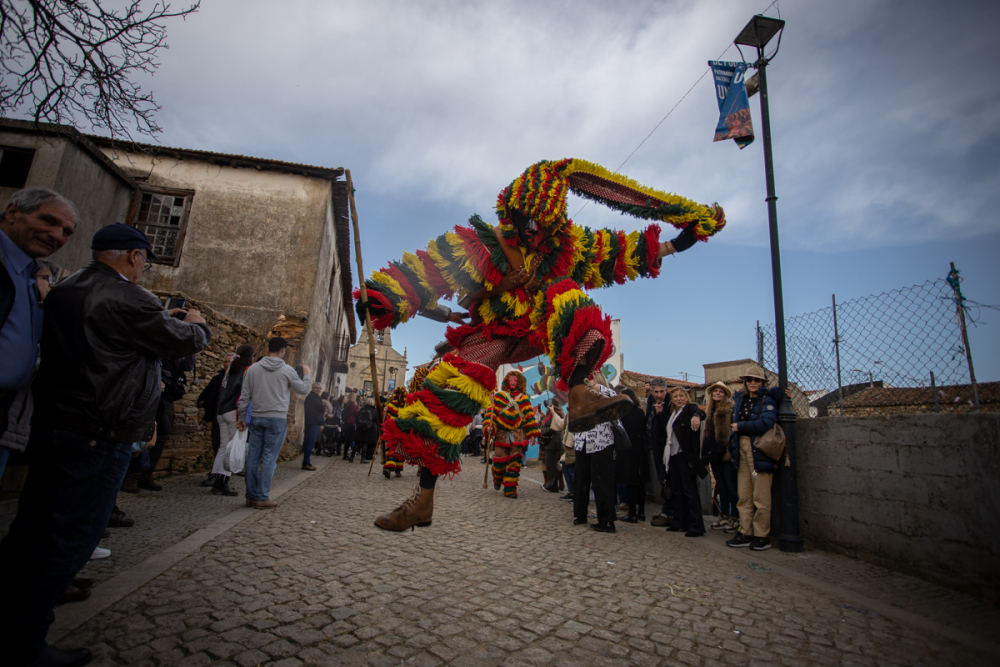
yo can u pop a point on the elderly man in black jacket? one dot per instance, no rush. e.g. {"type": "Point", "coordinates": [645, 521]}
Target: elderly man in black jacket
{"type": "Point", "coordinates": [96, 393]}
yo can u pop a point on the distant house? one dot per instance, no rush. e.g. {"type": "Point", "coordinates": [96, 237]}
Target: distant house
{"type": "Point", "coordinates": [877, 400]}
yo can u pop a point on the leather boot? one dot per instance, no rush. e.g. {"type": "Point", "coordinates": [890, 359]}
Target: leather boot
{"type": "Point", "coordinates": [415, 511]}
{"type": "Point", "coordinates": [588, 408]}
{"type": "Point", "coordinates": [131, 483]}
{"type": "Point", "coordinates": [222, 486]}
{"type": "Point", "coordinates": [146, 482]}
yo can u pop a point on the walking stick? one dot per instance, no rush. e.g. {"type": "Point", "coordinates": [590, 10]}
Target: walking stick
{"type": "Point", "coordinates": [364, 300]}
{"type": "Point", "coordinates": [489, 434]}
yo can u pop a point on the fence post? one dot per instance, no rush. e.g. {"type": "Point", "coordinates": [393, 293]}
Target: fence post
{"type": "Point", "coordinates": [953, 280]}
{"type": "Point", "coordinates": [836, 344]}
{"type": "Point", "coordinates": [760, 346]}
{"type": "Point", "coordinates": [937, 408]}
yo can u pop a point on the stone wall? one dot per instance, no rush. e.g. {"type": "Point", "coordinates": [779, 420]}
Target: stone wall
{"type": "Point", "coordinates": [917, 493]}
{"type": "Point", "coordinates": [190, 445]}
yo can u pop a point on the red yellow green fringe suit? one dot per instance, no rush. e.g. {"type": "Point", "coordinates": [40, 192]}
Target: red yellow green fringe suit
{"type": "Point", "coordinates": [391, 459]}
{"type": "Point", "coordinates": [550, 313]}
{"type": "Point", "coordinates": [513, 417]}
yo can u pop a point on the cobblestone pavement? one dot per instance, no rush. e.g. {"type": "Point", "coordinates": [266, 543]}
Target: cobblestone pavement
{"type": "Point", "coordinates": [500, 582]}
{"type": "Point", "coordinates": [162, 518]}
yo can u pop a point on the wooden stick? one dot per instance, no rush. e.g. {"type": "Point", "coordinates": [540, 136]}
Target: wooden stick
{"type": "Point", "coordinates": [364, 299]}
{"type": "Point", "coordinates": [488, 439]}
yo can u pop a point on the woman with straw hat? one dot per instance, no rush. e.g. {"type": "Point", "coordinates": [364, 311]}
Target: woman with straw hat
{"type": "Point", "coordinates": [754, 414]}
{"type": "Point", "coordinates": [715, 450]}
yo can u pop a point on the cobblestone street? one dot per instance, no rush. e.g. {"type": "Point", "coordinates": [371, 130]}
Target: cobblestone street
{"type": "Point", "coordinates": [492, 582]}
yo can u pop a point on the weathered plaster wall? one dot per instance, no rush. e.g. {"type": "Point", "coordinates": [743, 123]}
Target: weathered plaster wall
{"type": "Point", "coordinates": [253, 239]}
{"type": "Point", "coordinates": [101, 197]}
{"type": "Point", "coordinates": [918, 493]}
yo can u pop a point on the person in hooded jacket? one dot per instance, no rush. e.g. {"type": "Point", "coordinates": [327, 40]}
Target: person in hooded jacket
{"type": "Point", "coordinates": [715, 450]}
{"type": "Point", "coordinates": [632, 465]}
{"type": "Point", "coordinates": [682, 460]}
{"type": "Point", "coordinates": [754, 414]}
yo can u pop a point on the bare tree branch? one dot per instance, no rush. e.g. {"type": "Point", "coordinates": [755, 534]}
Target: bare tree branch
{"type": "Point", "coordinates": [73, 61]}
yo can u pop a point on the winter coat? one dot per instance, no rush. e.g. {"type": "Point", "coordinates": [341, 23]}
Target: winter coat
{"type": "Point", "coordinates": [765, 416]}
{"type": "Point", "coordinates": [102, 340]}
{"type": "Point", "coordinates": [656, 427]}
{"type": "Point", "coordinates": [209, 397]}
{"type": "Point", "coordinates": [632, 465]}
{"type": "Point", "coordinates": [229, 394]}
{"type": "Point", "coordinates": [314, 410]}
{"type": "Point", "coordinates": [690, 440]}
{"type": "Point", "coordinates": [368, 435]}
{"type": "Point", "coordinates": [718, 427]}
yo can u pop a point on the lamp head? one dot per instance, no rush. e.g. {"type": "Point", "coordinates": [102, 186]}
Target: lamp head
{"type": "Point", "coordinates": [759, 31]}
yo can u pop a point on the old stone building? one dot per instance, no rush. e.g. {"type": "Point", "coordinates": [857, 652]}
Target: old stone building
{"type": "Point", "coordinates": [390, 365]}
{"type": "Point", "coordinates": [261, 244]}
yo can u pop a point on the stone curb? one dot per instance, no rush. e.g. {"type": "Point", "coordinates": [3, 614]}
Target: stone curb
{"type": "Point", "coordinates": [70, 617]}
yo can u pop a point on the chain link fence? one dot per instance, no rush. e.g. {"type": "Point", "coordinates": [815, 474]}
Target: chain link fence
{"type": "Point", "coordinates": [894, 353]}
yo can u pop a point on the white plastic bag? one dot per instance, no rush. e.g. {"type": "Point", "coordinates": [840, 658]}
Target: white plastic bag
{"type": "Point", "coordinates": [238, 451]}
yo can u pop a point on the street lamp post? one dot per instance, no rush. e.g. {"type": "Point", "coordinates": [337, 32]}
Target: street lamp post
{"type": "Point", "coordinates": [757, 33]}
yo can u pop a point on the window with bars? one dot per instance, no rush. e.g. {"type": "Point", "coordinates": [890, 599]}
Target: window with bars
{"type": "Point", "coordinates": [162, 216]}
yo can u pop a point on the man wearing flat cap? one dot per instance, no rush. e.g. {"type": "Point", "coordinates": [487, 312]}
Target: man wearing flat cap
{"type": "Point", "coordinates": [96, 393]}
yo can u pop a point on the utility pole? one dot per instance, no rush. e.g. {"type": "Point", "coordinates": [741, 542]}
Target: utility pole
{"type": "Point", "coordinates": [955, 281]}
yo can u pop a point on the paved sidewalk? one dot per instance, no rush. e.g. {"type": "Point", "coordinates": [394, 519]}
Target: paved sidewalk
{"type": "Point", "coordinates": [510, 582]}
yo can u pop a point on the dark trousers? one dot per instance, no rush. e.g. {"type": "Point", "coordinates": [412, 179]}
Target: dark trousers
{"type": "Point", "coordinates": [661, 475]}
{"type": "Point", "coordinates": [308, 442]}
{"type": "Point", "coordinates": [687, 502]}
{"type": "Point", "coordinates": [725, 479]}
{"type": "Point", "coordinates": [635, 496]}
{"type": "Point", "coordinates": [64, 508]}
{"type": "Point", "coordinates": [347, 439]}
{"type": "Point", "coordinates": [595, 470]}
{"type": "Point", "coordinates": [552, 468]}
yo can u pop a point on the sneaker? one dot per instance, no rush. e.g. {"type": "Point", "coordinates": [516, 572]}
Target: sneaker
{"type": "Point", "coordinates": [734, 525]}
{"type": "Point", "coordinates": [568, 496]}
{"type": "Point", "coordinates": [760, 544]}
{"type": "Point", "coordinates": [739, 540]}
{"type": "Point", "coordinates": [721, 524]}
{"type": "Point", "coordinates": [660, 521]}
{"type": "Point", "coordinates": [100, 553]}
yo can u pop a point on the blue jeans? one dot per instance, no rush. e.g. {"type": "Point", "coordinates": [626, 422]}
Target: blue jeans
{"type": "Point", "coordinates": [569, 473]}
{"type": "Point", "coordinates": [64, 508]}
{"type": "Point", "coordinates": [308, 442]}
{"type": "Point", "coordinates": [725, 479]}
{"type": "Point", "coordinates": [267, 435]}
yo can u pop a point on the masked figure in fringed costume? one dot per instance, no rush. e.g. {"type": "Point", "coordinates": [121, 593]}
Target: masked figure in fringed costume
{"type": "Point", "coordinates": [512, 419]}
{"type": "Point", "coordinates": [391, 460]}
{"type": "Point", "coordinates": [524, 284]}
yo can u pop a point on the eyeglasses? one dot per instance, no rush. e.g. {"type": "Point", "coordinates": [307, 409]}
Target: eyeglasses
{"type": "Point", "coordinates": [148, 265]}
{"type": "Point", "coordinates": [752, 381]}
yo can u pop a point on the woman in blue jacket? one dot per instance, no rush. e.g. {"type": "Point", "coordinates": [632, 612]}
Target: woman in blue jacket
{"type": "Point", "coordinates": [754, 414]}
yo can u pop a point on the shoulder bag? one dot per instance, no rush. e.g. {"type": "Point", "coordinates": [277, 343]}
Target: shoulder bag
{"type": "Point", "coordinates": [622, 443]}
{"type": "Point", "coordinates": [772, 443]}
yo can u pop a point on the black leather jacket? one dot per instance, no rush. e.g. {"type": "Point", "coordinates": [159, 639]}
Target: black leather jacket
{"type": "Point", "coordinates": [102, 341]}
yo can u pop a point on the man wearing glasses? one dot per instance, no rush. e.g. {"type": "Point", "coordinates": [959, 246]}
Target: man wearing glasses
{"type": "Point", "coordinates": [96, 393]}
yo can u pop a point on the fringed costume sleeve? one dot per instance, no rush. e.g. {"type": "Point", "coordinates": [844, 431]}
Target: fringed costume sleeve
{"type": "Point", "coordinates": [457, 262]}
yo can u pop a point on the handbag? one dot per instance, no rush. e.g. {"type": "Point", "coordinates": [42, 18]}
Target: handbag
{"type": "Point", "coordinates": [237, 452]}
{"type": "Point", "coordinates": [622, 443]}
{"type": "Point", "coordinates": [772, 443]}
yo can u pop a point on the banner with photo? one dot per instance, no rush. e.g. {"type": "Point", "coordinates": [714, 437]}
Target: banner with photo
{"type": "Point", "coordinates": [734, 105]}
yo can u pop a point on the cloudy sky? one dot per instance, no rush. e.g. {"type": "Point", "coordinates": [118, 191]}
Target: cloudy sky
{"type": "Point", "coordinates": [884, 115]}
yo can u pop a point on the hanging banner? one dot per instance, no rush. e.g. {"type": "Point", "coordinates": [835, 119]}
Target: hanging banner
{"type": "Point", "coordinates": [734, 105]}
